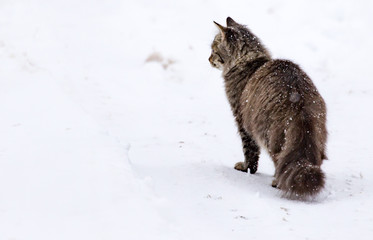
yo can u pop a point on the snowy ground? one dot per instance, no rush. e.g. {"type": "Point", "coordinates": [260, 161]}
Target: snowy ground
{"type": "Point", "coordinates": [114, 125]}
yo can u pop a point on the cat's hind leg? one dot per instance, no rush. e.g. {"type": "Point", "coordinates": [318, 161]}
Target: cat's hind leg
{"type": "Point", "coordinates": [274, 183]}
{"type": "Point", "coordinates": [251, 151]}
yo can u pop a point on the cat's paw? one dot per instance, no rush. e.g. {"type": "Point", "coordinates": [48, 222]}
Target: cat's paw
{"type": "Point", "coordinates": [253, 167]}
{"type": "Point", "coordinates": [240, 166]}
{"type": "Point", "coordinates": [274, 183]}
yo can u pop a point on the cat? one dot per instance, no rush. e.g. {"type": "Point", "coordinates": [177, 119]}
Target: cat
{"type": "Point", "coordinates": [276, 107]}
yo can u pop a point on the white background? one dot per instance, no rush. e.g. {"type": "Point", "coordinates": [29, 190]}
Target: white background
{"type": "Point", "coordinates": [113, 124]}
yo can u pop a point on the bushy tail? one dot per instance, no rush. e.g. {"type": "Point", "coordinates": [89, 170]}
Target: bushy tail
{"type": "Point", "coordinates": [300, 179]}
{"type": "Point", "coordinates": [298, 172]}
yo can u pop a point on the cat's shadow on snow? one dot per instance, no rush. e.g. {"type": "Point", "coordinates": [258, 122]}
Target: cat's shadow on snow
{"type": "Point", "coordinates": [258, 183]}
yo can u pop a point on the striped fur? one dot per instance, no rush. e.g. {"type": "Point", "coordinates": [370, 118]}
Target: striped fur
{"type": "Point", "coordinates": [276, 106]}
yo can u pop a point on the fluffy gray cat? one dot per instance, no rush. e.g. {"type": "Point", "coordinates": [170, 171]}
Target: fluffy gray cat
{"type": "Point", "coordinates": [276, 107]}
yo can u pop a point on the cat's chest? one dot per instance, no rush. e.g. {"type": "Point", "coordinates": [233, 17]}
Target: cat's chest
{"type": "Point", "coordinates": [233, 97]}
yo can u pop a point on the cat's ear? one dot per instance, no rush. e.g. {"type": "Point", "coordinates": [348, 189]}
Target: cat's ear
{"type": "Point", "coordinates": [221, 28]}
{"type": "Point", "coordinates": [231, 22]}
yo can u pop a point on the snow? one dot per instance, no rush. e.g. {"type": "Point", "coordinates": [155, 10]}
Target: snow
{"type": "Point", "coordinates": [115, 126]}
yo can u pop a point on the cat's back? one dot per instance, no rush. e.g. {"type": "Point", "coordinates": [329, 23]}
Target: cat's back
{"type": "Point", "coordinates": [282, 83]}
{"type": "Point", "coordinates": [278, 90]}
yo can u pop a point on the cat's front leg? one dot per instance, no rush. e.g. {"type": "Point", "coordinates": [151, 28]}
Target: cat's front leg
{"type": "Point", "coordinates": [251, 151]}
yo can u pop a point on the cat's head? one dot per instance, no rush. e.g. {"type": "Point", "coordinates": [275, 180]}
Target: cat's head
{"type": "Point", "coordinates": [233, 43]}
